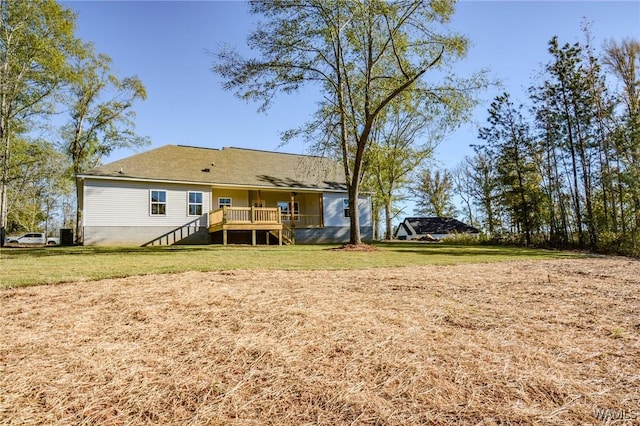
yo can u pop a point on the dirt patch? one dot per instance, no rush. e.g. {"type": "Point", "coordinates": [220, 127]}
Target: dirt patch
{"type": "Point", "coordinates": [549, 342]}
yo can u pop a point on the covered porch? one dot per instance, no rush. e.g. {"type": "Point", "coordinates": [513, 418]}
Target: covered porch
{"type": "Point", "coordinates": [266, 215]}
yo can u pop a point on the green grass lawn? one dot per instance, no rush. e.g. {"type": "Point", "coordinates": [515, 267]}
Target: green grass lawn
{"type": "Point", "coordinates": [35, 266]}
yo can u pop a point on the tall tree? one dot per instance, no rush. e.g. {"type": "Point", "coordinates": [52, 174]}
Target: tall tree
{"type": "Point", "coordinates": [601, 106]}
{"type": "Point", "coordinates": [509, 141]}
{"type": "Point", "coordinates": [464, 186]}
{"type": "Point", "coordinates": [434, 193]}
{"type": "Point", "coordinates": [623, 61]}
{"type": "Point", "coordinates": [36, 36]}
{"type": "Point", "coordinates": [100, 115]}
{"type": "Point", "coordinates": [570, 100]}
{"type": "Point", "coordinates": [396, 152]}
{"type": "Point", "coordinates": [362, 55]}
{"type": "Point", "coordinates": [480, 170]}
{"type": "Point", "coordinates": [550, 168]}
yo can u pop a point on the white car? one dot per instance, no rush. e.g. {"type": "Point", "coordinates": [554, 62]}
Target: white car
{"type": "Point", "coordinates": [34, 238]}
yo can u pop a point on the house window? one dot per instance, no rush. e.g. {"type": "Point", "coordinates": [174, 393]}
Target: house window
{"type": "Point", "coordinates": [195, 204]}
{"type": "Point", "coordinates": [345, 207]}
{"type": "Point", "coordinates": [224, 202]}
{"type": "Point", "coordinates": [158, 203]}
{"type": "Point", "coordinates": [285, 208]}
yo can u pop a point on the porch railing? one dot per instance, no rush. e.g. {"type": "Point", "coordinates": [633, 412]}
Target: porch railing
{"type": "Point", "coordinates": [261, 215]}
{"type": "Point", "coordinates": [241, 215]}
{"type": "Point", "coordinates": [301, 220]}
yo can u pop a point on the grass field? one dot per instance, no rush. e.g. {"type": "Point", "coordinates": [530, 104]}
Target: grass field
{"type": "Point", "coordinates": [50, 265]}
{"type": "Point", "coordinates": [406, 335]}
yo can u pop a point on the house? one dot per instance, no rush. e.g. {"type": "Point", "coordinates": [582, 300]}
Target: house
{"type": "Point", "coordinates": [436, 228]}
{"type": "Point", "coordinates": [189, 195]}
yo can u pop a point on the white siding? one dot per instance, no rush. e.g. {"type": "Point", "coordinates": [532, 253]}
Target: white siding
{"type": "Point", "coordinates": [364, 204]}
{"type": "Point", "coordinates": [122, 203]}
{"type": "Point", "coordinates": [402, 232]}
{"type": "Point", "coordinates": [334, 211]}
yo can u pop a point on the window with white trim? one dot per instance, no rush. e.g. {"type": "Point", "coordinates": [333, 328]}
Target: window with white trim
{"type": "Point", "coordinates": [224, 202]}
{"type": "Point", "coordinates": [345, 207]}
{"type": "Point", "coordinates": [158, 202]}
{"type": "Point", "coordinates": [194, 207]}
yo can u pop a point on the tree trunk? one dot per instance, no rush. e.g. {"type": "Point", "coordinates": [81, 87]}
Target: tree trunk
{"type": "Point", "coordinates": [586, 182]}
{"type": "Point", "coordinates": [4, 137]}
{"type": "Point", "coordinates": [574, 165]}
{"type": "Point", "coordinates": [387, 218]}
{"type": "Point", "coordinates": [375, 217]}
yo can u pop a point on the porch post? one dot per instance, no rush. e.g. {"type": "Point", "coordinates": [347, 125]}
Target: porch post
{"type": "Point", "coordinates": [253, 237]}
{"type": "Point", "coordinates": [280, 236]}
{"type": "Point", "coordinates": [291, 205]}
{"type": "Point", "coordinates": [224, 237]}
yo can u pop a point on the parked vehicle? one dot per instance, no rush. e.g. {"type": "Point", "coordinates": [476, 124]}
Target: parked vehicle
{"type": "Point", "coordinates": [34, 238]}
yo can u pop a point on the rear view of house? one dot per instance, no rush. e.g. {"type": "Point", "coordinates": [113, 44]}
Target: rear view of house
{"type": "Point", "coordinates": [189, 195]}
{"type": "Point", "coordinates": [432, 228]}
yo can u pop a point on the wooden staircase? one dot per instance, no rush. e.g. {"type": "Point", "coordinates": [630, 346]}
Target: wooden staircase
{"type": "Point", "coordinates": [176, 235]}
{"type": "Point", "coordinates": [288, 235]}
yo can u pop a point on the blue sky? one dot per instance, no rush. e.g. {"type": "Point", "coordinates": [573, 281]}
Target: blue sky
{"type": "Point", "coordinates": [165, 43]}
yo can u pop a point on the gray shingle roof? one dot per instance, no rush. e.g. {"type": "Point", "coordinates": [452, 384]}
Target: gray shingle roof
{"type": "Point", "coordinates": [439, 225]}
{"type": "Point", "coordinates": [227, 166]}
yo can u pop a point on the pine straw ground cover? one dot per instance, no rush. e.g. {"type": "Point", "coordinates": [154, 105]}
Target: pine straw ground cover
{"type": "Point", "coordinates": [553, 342]}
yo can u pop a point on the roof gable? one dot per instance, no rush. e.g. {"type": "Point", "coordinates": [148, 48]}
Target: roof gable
{"type": "Point", "coordinates": [227, 166]}
{"type": "Point", "coordinates": [439, 225]}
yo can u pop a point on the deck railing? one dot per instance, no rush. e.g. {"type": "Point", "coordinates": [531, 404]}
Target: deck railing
{"type": "Point", "coordinates": [261, 215]}
{"type": "Point", "coordinates": [301, 220]}
{"type": "Point", "coordinates": [216, 216]}
{"type": "Point", "coordinates": [242, 215]}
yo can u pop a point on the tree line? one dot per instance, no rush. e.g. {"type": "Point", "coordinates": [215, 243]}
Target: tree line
{"type": "Point", "coordinates": [45, 70]}
{"type": "Point", "coordinates": [562, 170]}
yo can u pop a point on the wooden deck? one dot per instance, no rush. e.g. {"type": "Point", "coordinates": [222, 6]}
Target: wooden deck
{"type": "Point", "coordinates": [250, 219]}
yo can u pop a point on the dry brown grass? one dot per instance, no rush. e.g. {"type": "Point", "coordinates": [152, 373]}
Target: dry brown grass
{"type": "Point", "coordinates": [547, 342]}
